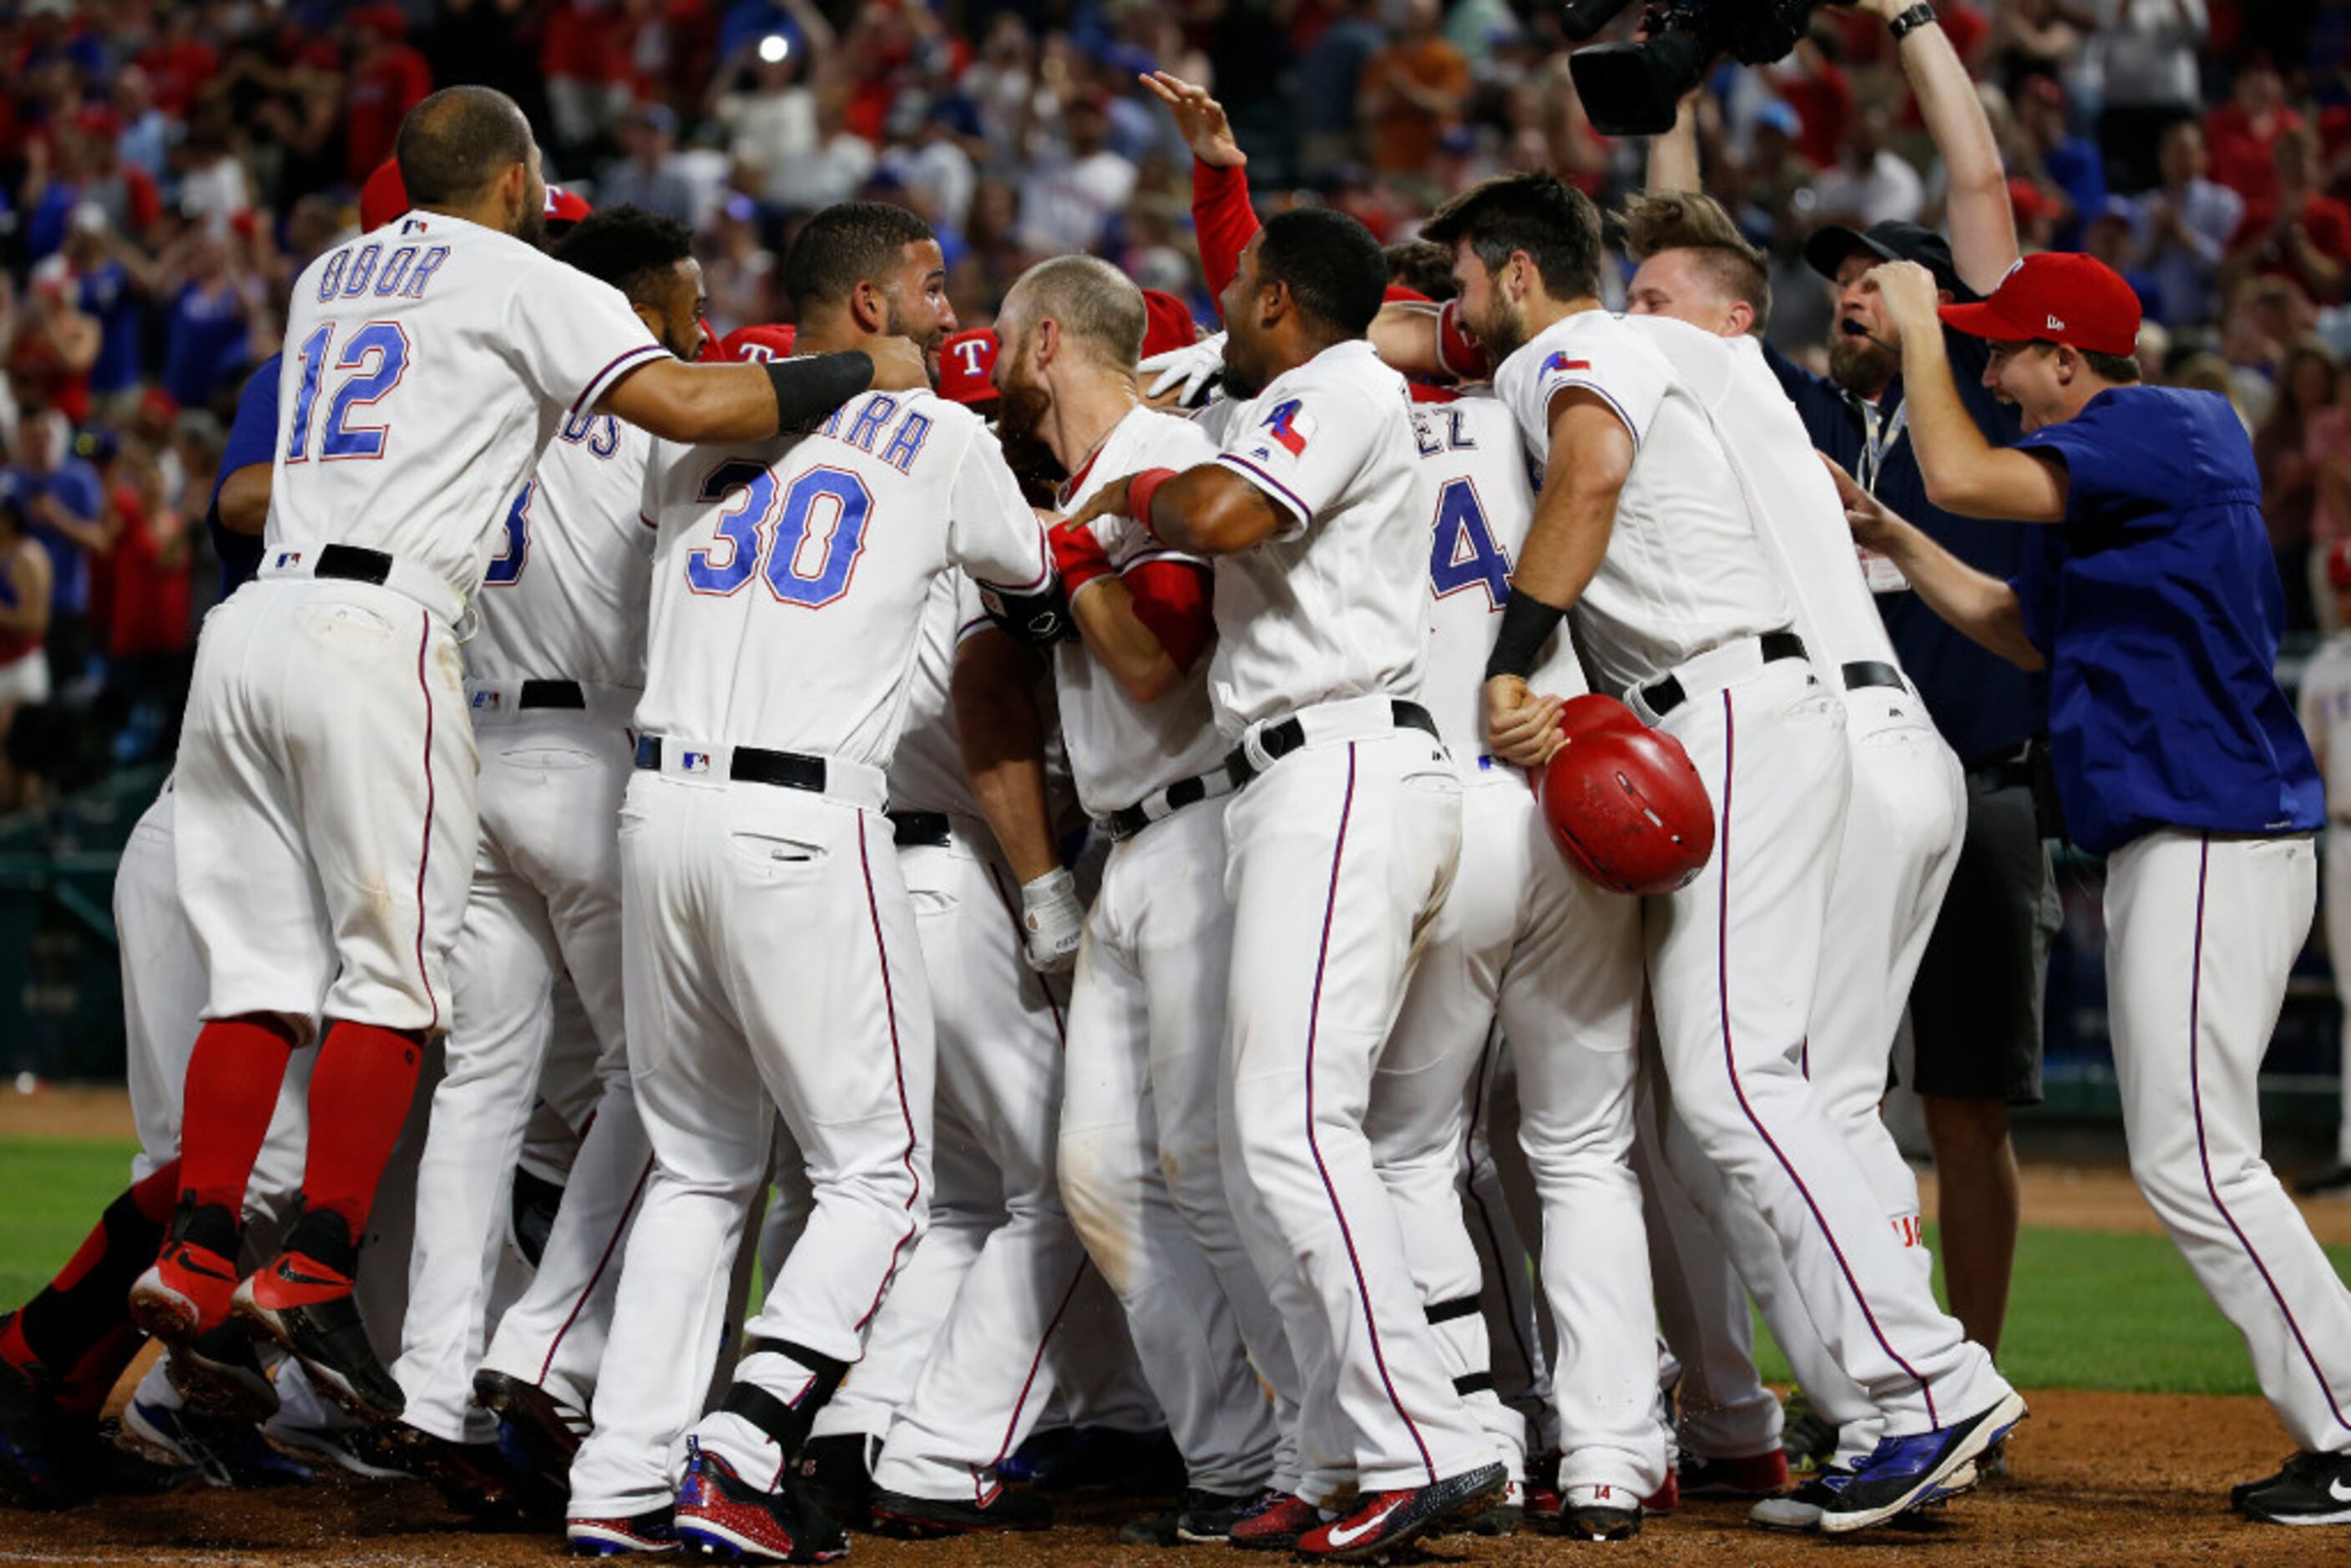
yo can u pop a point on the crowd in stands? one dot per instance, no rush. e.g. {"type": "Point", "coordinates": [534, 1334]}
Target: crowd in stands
{"type": "Point", "coordinates": [167, 169]}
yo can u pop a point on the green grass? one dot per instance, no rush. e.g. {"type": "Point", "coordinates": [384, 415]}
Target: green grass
{"type": "Point", "coordinates": [51, 1192]}
{"type": "Point", "coordinates": [2095, 1310]}
{"type": "Point", "coordinates": [2088, 1310]}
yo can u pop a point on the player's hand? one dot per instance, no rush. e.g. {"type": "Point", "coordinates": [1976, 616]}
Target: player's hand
{"type": "Point", "coordinates": [1052, 921]}
{"type": "Point", "coordinates": [1520, 727]}
{"type": "Point", "coordinates": [900, 364]}
{"type": "Point", "coordinates": [1200, 118]}
{"type": "Point", "coordinates": [1178, 378]}
{"type": "Point", "coordinates": [1909, 292]}
{"type": "Point", "coordinates": [1872, 522]}
{"type": "Point", "coordinates": [1110, 501]}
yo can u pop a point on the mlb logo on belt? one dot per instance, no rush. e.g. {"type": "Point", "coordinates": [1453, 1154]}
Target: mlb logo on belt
{"type": "Point", "coordinates": [1291, 425]}
{"type": "Point", "coordinates": [488, 699]}
{"type": "Point", "coordinates": [286, 557]}
{"type": "Point", "coordinates": [694, 762]}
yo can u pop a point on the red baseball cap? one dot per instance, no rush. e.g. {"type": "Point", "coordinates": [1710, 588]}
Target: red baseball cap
{"type": "Point", "coordinates": [751, 344]}
{"type": "Point", "coordinates": [564, 208]}
{"type": "Point", "coordinates": [1167, 323]}
{"type": "Point", "coordinates": [2077, 301]}
{"type": "Point", "coordinates": [2338, 565]}
{"type": "Point", "coordinates": [967, 366]}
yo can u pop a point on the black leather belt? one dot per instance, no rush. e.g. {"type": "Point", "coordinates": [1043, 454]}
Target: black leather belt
{"type": "Point", "coordinates": [749, 765]}
{"type": "Point", "coordinates": [552, 693]}
{"type": "Point", "coordinates": [1127, 822]}
{"type": "Point", "coordinates": [1278, 740]}
{"type": "Point", "coordinates": [921, 830]}
{"type": "Point", "coordinates": [353, 564]}
{"type": "Point", "coordinates": [1870, 672]}
{"type": "Point", "coordinates": [1662, 696]}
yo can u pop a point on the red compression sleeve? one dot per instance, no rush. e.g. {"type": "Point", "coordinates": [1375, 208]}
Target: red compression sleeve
{"type": "Point", "coordinates": [1173, 600]}
{"type": "Point", "coordinates": [1079, 557]}
{"type": "Point", "coordinates": [1222, 220]}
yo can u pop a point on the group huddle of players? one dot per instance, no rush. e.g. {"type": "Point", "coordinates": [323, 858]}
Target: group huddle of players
{"type": "Point", "coordinates": [1051, 881]}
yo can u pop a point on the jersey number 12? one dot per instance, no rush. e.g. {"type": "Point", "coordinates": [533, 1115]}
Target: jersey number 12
{"type": "Point", "coordinates": [374, 359]}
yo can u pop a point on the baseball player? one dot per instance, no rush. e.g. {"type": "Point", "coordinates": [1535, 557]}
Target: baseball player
{"type": "Point", "coordinates": [1340, 846]}
{"type": "Point", "coordinates": [334, 888]}
{"type": "Point", "coordinates": [1138, 1156]}
{"type": "Point", "coordinates": [1526, 946]}
{"type": "Point", "coordinates": [1645, 529]}
{"type": "Point", "coordinates": [2152, 600]}
{"type": "Point", "coordinates": [553, 673]}
{"type": "Point", "coordinates": [2325, 703]}
{"type": "Point", "coordinates": [1904, 816]}
{"type": "Point", "coordinates": [770, 946]}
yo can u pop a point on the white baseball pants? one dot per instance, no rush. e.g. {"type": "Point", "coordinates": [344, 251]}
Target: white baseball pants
{"type": "Point", "coordinates": [771, 964]}
{"type": "Point", "coordinates": [1525, 943]}
{"type": "Point", "coordinates": [980, 1385]}
{"type": "Point", "coordinates": [1139, 1166]}
{"type": "Point", "coordinates": [1338, 857]}
{"type": "Point", "coordinates": [545, 903]}
{"type": "Point", "coordinates": [326, 825]}
{"type": "Point", "coordinates": [2201, 930]}
{"type": "Point", "coordinates": [2334, 907]}
{"type": "Point", "coordinates": [1733, 958]}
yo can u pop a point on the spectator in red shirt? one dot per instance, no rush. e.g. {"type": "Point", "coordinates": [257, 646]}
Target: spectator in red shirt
{"type": "Point", "coordinates": [179, 62]}
{"type": "Point", "coordinates": [2242, 132]}
{"type": "Point", "coordinates": [2299, 232]}
{"type": "Point", "coordinates": [150, 627]}
{"type": "Point", "coordinates": [388, 80]}
{"type": "Point", "coordinates": [1822, 96]}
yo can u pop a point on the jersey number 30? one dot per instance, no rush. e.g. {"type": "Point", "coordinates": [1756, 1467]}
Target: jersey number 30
{"type": "Point", "coordinates": [375, 358]}
{"type": "Point", "coordinates": [779, 531]}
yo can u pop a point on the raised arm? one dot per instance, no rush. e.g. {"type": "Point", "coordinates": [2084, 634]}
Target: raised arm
{"type": "Point", "coordinates": [1673, 157]}
{"type": "Point", "coordinates": [1976, 603]}
{"type": "Point", "coordinates": [1222, 217]}
{"type": "Point", "coordinates": [1983, 222]}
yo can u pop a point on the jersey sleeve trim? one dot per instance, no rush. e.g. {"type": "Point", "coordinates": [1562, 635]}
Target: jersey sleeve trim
{"type": "Point", "coordinates": [603, 379]}
{"type": "Point", "coordinates": [1273, 488]}
{"type": "Point", "coordinates": [1044, 575]}
{"type": "Point", "coordinates": [977, 624]}
{"type": "Point", "coordinates": [1576, 383]}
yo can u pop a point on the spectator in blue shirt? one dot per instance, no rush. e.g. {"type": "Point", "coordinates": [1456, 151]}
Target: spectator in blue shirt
{"type": "Point", "coordinates": [209, 336]}
{"type": "Point", "coordinates": [64, 505]}
{"type": "Point", "coordinates": [2069, 162]}
{"type": "Point", "coordinates": [109, 294]}
{"type": "Point", "coordinates": [2151, 599]}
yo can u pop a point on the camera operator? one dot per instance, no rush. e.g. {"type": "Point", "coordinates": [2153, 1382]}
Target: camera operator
{"type": "Point", "coordinates": [1975, 1010]}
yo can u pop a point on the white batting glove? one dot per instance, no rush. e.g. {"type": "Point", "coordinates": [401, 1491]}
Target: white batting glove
{"type": "Point", "coordinates": [1189, 368]}
{"type": "Point", "coordinates": [1051, 920]}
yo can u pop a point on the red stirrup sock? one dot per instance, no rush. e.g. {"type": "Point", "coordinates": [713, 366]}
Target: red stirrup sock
{"type": "Point", "coordinates": [89, 1299]}
{"type": "Point", "coordinates": [359, 1099]}
{"type": "Point", "coordinates": [233, 1079]}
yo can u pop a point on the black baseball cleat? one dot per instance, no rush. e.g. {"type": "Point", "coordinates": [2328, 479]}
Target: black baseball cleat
{"type": "Point", "coordinates": [720, 1514]}
{"type": "Point", "coordinates": [1003, 1510]}
{"type": "Point", "coordinates": [837, 1473]}
{"type": "Point", "coordinates": [1384, 1521]}
{"type": "Point", "coordinates": [306, 1308]}
{"type": "Point", "coordinates": [217, 1374]}
{"type": "Point", "coordinates": [52, 1459]}
{"type": "Point", "coordinates": [477, 1479]}
{"type": "Point", "coordinates": [1598, 1513]}
{"type": "Point", "coordinates": [1197, 1517]}
{"type": "Point", "coordinates": [2313, 1489]}
{"type": "Point", "coordinates": [2243, 1489]}
{"type": "Point", "coordinates": [540, 1431]}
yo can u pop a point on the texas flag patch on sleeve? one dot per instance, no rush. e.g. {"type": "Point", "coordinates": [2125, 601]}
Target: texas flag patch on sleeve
{"type": "Point", "coordinates": [1560, 364]}
{"type": "Point", "coordinates": [1290, 426]}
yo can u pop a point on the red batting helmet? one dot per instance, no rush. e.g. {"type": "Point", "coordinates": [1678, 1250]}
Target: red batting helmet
{"type": "Point", "coordinates": [1624, 804]}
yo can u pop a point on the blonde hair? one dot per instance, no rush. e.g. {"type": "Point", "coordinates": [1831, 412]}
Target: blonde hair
{"type": "Point", "coordinates": [1683, 220]}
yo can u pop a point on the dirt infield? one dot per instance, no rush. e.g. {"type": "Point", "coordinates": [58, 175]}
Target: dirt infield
{"type": "Point", "coordinates": [2098, 1479]}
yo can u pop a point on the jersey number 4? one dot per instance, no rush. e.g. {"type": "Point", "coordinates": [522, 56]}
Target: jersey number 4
{"type": "Point", "coordinates": [1464, 554]}
{"type": "Point", "coordinates": [374, 359]}
{"type": "Point", "coordinates": [781, 532]}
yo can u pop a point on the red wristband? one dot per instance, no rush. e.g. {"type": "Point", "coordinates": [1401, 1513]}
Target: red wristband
{"type": "Point", "coordinates": [1079, 557]}
{"type": "Point", "coordinates": [1140, 490]}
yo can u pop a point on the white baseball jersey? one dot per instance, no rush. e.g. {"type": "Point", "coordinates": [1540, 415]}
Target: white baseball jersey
{"type": "Point", "coordinates": [1485, 499]}
{"type": "Point", "coordinates": [1684, 571]}
{"type": "Point", "coordinates": [926, 772]}
{"type": "Point", "coordinates": [2326, 704]}
{"type": "Point", "coordinates": [791, 574]}
{"type": "Point", "coordinates": [1330, 605]}
{"type": "Point", "coordinates": [1120, 749]}
{"type": "Point", "coordinates": [395, 432]}
{"type": "Point", "coordinates": [565, 596]}
{"type": "Point", "coordinates": [1793, 501]}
